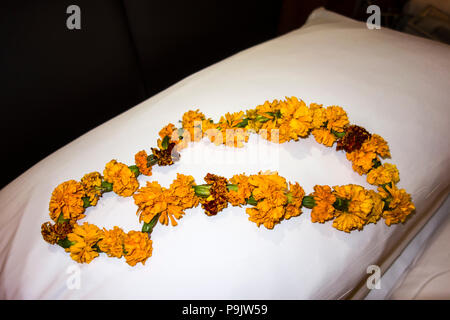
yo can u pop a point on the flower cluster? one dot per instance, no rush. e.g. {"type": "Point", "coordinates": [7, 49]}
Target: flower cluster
{"type": "Point", "coordinates": [352, 206]}
{"type": "Point", "coordinates": [87, 241]}
{"type": "Point", "coordinates": [269, 198]}
{"type": "Point", "coordinates": [166, 204]}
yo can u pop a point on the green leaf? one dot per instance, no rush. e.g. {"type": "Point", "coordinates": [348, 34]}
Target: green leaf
{"type": "Point", "coordinates": [242, 124]}
{"type": "Point", "coordinates": [86, 202]}
{"type": "Point", "coordinates": [65, 243]}
{"type": "Point", "coordinates": [261, 119]}
{"type": "Point", "coordinates": [232, 187]}
{"type": "Point", "coordinates": [338, 134]}
{"type": "Point", "coordinates": [165, 143]}
{"type": "Point", "coordinates": [376, 163]}
{"type": "Point", "coordinates": [61, 219]}
{"type": "Point", "coordinates": [135, 170]}
{"type": "Point", "coordinates": [252, 201]}
{"type": "Point", "coordinates": [341, 204]}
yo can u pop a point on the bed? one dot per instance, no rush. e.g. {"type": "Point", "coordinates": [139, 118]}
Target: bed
{"type": "Point", "coordinates": [392, 84]}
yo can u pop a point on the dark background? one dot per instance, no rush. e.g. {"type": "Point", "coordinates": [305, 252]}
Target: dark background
{"type": "Point", "coordinates": [56, 83]}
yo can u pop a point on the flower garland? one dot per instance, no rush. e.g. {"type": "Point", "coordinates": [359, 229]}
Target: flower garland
{"type": "Point", "coordinates": [270, 198]}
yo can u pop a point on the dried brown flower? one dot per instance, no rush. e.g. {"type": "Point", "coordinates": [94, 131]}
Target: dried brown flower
{"type": "Point", "coordinates": [53, 233]}
{"type": "Point", "coordinates": [218, 198]}
{"type": "Point", "coordinates": [353, 139]}
{"type": "Point", "coordinates": [166, 157]}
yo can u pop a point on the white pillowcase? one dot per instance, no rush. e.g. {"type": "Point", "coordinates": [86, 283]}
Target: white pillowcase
{"type": "Point", "coordinates": [392, 84]}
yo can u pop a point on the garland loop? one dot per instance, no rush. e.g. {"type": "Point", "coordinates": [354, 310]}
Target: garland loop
{"type": "Point", "coordinates": [269, 197]}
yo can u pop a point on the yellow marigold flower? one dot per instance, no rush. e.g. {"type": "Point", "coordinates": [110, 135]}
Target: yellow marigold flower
{"type": "Point", "coordinates": [270, 192]}
{"type": "Point", "coordinates": [295, 197]}
{"type": "Point", "coordinates": [383, 174]}
{"type": "Point", "coordinates": [140, 159]}
{"type": "Point", "coordinates": [324, 199]}
{"type": "Point", "coordinates": [347, 222]}
{"type": "Point", "coordinates": [123, 179]}
{"type": "Point", "coordinates": [192, 119]}
{"type": "Point", "coordinates": [362, 159]}
{"type": "Point", "coordinates": [183, 193]}
{"type": "Point", "coordinates": [377, 209]}
{"type": "Point", "coordinates": [151, 201]}
{"type": "Point", "coordinates": [359, 206]}
{"type": "Point", "coordinates": [378, 145]}
{"type": "Point", "coordinates": [137, 247]}
{"type": "Point", "coordinates": [297, 116]}
{"type": "Point", "coordinates": [238, 198]}
{"type": "Point", "coordinates": [319, 116]}
{"type": "Point", "coordinates": [167, 131]}
{"type": "Point", "coordinates": [337, 118]}
{"type": "Point", "coordinates": [84, 236]}
{"type": "Point", "coordinates": [324, 136]}
{"type": "Point", "coordinates": [168, 203]}
{"type": "Point", "coordinates": [231, 135]}
{"type": "Point", "coordinates": [66, 199]}
{"type": "Point", "coordinates": [91, 183]}
{"type": "Point", "coordinates": [253, 123]}
{"type": "Point", "coordinates": [400, 204]}
{"type": "Point", "coordinates": [112, 242]}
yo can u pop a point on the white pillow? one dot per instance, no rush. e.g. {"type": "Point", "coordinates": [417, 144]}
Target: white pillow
{"type": "Point", "coordinates": [392, 84]}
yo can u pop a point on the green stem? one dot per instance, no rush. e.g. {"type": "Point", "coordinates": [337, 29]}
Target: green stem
{"type": "Point", "coordinates": [65, 243]}
{"type": "Point", "coordinates": [148, 227]}
{"type": "Point", "coordinates": [135, 170]}
{"type": "Point", "coordinates": [308, 202]}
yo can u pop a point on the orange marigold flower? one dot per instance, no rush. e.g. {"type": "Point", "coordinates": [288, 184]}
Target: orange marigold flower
{"type": "Point", "coordinates": [232, 136]}
{"type": "Point", "coordinates": [123, 179]}
{"type": "Point", "coordinates": [400, 204]}
{"type": "Point", "coordinates": [167, 131]}
{"type": "Point", "coordinates": [358, 205]}
{"type": "Point", "coordinates": [378, 145]}
{"type": "Point", "coordinates": [112, 242]}
{"type": "Point", "coordinates": [66, 200]}
{"type": "Point", "coordinates": [154, 200]}
{"type": "Point", "coordinates": [137, 247]}
{"type": "Point", "coordinates": [92, 183]}
{"type": "Point", "coordinates": [183, 192]}
{"type": "Point", "coordinates": [295, 196]}
{"type": "Point", "coordinates": [297, 116]}
{"type": "Point", "coordinates": [319, 116]}
{"type": "Point", "coordinates": [193, 120]}
{"type": "Point", "coordinates": [362, 160]}
{"type": "Point", "coordinates": [84, 238]}
{"type": "Point", "coordinates": [336, 118]}
{"type": "Point", "coordinates": [324, 136]}
{"type": "Point", "coordinates": [244, 190]}
{"type": "Point", "coordinates": [270, 193]}
{"type": "Point", "coordinates": [377, 209]}
{"type": "Point", "coordinates": [347, 222]}
{"type": "Point", "coordinates": [324, 199]}
{"type": "Point", "coordinates": [142, 163]}
{"type": "Point", "coordinates": [384, 174]}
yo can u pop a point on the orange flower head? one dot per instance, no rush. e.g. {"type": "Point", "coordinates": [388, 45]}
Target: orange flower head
{"type": "Point", "coordinates": [84, 237]}
{"type": "Point", "coordinates": [137, 247]}
{"type": "Point", "coordinates": [123, 179]}
{"type": "Point", "coordinates": [67, 200]}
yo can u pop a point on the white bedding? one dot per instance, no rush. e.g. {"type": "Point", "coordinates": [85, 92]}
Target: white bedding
{"type": "Point", "coordinates": [392, 84]}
